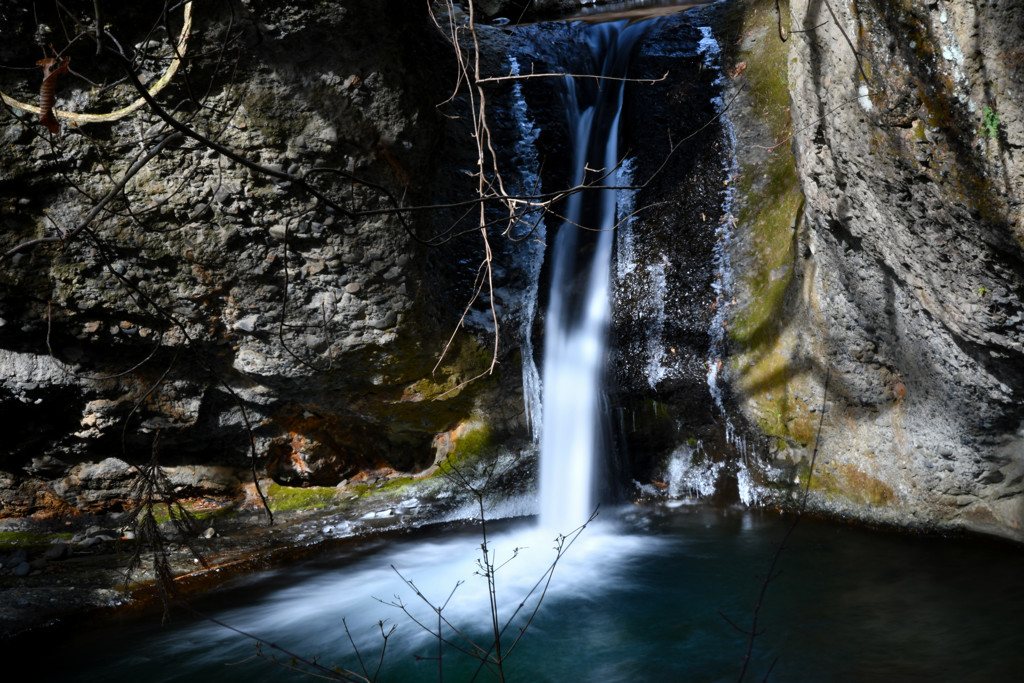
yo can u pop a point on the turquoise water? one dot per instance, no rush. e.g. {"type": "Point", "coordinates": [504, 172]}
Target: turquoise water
{"type": "Point", "coordinates": [636, 599]}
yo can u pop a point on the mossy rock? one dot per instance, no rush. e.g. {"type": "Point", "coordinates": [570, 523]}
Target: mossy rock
{"type": "Point", "coordinates": [772, 201]}
{"type": "Point", "coordinates": [12, 540]}
{"type": "Point", "coordinates": [291, 498]}
{"type": "Point", "coordinates": [845, 482]}
{"type": "Point", "coordinates": [765, 366]}
{"type": "Point", "coordinates": [475, 443]}
{"type": "Point", "coordinates": [768, 189]}
{"type": "Point", "coordinates": [197, 510]}
{"type": "Point", "coordinates": [471, 360]}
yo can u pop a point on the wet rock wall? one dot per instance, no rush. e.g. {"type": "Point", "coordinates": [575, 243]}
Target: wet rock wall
{"type": "Point", "coordinates": [210, 302]}
{"type": "Point", "coordinates": [904, 272]}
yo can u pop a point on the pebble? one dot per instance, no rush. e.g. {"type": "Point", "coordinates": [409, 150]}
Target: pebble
{"type": "Point", "coordinates": [246, 324]}
{"type": "Point", "coordinates": [57, 551]}
{"type": "Point", "coordinates": [387, 321]}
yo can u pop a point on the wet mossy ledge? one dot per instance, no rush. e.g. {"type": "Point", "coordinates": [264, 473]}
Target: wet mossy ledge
{"type": "Point", "coordinates": [768, 370]}
{"type": "Point", "coordinates": [12, 540]}
{"type": "Point", "coordinates": [464, 448]}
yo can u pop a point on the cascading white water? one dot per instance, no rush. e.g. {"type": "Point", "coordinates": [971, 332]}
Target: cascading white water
{"type": "Point", "coordinates": [576, 324]}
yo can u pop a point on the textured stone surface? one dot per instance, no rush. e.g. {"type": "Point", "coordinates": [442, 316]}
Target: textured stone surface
{"type": "Point", "coordinates": [227, 298]}
{"type": "Point", "coordinates": [908, 265]}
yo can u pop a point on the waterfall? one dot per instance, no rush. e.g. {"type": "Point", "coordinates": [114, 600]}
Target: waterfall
{"type": "Point", "coordinates": [576, 324]}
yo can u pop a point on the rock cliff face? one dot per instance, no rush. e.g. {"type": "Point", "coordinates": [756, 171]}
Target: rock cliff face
{"type": "Point", "coordinates": [208, 298]}
{"type": "Point", "coordinates": [904, 271]}
{"type": "Point", "coordinates": [217, 309]}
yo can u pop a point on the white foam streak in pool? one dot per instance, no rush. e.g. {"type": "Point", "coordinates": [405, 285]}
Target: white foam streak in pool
{"type": "Point", "coordinates": [307, 617]}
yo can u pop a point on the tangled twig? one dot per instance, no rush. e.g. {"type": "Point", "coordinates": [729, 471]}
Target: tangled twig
{"type": "Point", "coordinates": [48, 115]}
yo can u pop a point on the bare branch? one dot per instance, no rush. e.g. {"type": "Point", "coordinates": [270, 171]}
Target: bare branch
{"type": "Point", "coordinates": [596, 77]}
{"type": "Point", "coordinates": [172, 68]}
{"type": "Point", "coordinates": [753, 632]}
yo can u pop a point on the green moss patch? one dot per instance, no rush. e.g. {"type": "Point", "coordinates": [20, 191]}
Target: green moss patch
{"type": "Point", "coordinates": [469, 447]}
{"type": "Point", "coordinates": [198, 509]}
{"type": "Point", "coordinates": [847, 482]}
{"type": "Point", "coordinates": [766, 59]}
{"type": "Point", "coordinates": [787, 418]}
{"type": "Point", "coordinates": [288, 498]}
{"type": "Point", "coordinates": [395, 485]}
{"type": "Point", "coordinates": [471, 360]}
{"type": "Point", "coordinates": [768, 189]}
{"type": "Point", "coordinates": [769, 201]}
{"type": "Point", "coordinates": [11, 540]}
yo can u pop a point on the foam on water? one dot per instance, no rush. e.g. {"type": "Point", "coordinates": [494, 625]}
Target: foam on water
{"type": "Point", "coordinates": [306, 617]}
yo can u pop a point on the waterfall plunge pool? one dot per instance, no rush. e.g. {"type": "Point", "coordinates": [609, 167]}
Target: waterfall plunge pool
{"type": "Point", "coordinates": [639, 597]}
{"type": "Point", "coordinates": [636, 598]}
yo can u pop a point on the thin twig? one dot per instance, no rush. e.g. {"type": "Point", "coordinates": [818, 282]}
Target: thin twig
{"type": "Point", "coordinates": [778, 16]}
{"type": "Point", "coordinates": [772, 575]}
{"type": "Point", "coordinates": [860, 66]}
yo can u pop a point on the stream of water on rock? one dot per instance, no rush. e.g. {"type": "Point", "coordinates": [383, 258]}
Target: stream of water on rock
{"type": "Point", "coordinates": [638, 596]}
{"type": "Point", "coordinates": [576, 325]}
